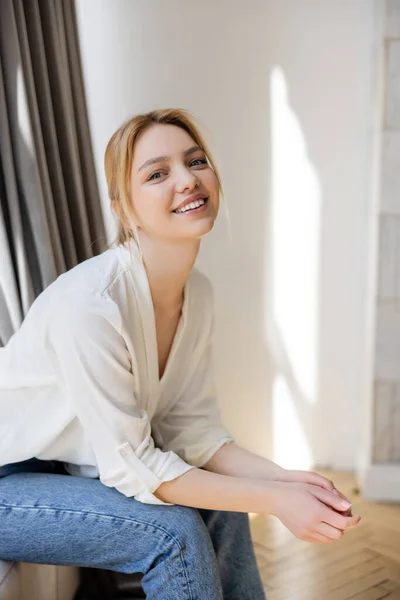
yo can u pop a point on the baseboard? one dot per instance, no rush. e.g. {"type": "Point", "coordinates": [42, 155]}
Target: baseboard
{"type": "Point", "coordinates": [381, 483]}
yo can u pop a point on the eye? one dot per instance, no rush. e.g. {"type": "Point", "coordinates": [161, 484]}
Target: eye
{"type": "Point", "coordinates": [201, 161]}
{"type": "Point", "coordinates": [153, 176]}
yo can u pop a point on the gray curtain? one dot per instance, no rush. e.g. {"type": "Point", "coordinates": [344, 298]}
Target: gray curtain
{"type": "Point", "coordinates": [50, 214]}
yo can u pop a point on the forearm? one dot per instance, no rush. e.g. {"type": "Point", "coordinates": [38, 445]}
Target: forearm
{"type": "Point", "coordinates": [200, 489]}
{"type": "Point", "coordinates": [235, 461]}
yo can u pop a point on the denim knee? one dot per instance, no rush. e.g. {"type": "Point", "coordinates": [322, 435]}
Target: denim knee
{"type": "Point", "coordinates": [187, 525]}
{"type": "Point", "coordinates": [180, 533]}
{"type": "Point", "coordinates": [186, 556]}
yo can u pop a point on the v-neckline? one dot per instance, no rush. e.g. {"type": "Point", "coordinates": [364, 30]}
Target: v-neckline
{"type": "Point", "coordinates": [148, 318]}
{"type": "Point", "coordinates": [177, 337]}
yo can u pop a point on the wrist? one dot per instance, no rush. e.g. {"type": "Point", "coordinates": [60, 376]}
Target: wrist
{"type": "Point", "coordinates": [267, 499]}
{"type": "Point", "coordinates": [280, 473]}
{"type": "Point", "coordinates": [272, 472]}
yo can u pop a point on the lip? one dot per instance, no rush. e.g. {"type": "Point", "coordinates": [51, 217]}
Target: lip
{"type": "Point", "coordinates": [198, 196]}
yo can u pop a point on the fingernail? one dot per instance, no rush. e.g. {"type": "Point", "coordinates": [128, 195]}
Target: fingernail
{"type": "Point", "coordinates": [345, 504]}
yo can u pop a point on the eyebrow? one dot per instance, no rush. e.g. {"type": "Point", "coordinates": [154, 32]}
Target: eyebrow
{"type": "Point", "coordinates": [157, 159]}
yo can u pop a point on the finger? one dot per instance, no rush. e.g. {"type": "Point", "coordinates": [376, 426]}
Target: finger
{"type": "Point", "coordinates": [330, 499]}
{"type": "Point", "coordinates": [335, 519]}
{"type": "Point", "coordinates": [327, 484]}
{"type": "Point", "coordinates": [339, 493]}
{"type": "Point", "coordinates": [339, 521]}
{"type": "Point", "coordinates": [315, 479]}
{"type": "Point", "coordinates": [352, 521]}
{"type": "Point", "coordinates": [328, 531]}
{"type": "Point", "coordinates": [317, 538]}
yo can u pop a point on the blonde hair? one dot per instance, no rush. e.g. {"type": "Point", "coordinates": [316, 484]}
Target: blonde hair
{"type": "Point", "coordinates": [119, 156]}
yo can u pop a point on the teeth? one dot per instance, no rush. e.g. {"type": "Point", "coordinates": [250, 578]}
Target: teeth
{"type": "Point", "coordinates": [191, 206]}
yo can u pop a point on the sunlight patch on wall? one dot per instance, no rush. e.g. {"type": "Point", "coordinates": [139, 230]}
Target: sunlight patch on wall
{"type": "Point", "coordinates": [294, 284]}
{"type": "Point", "coordinates": [290, 448]}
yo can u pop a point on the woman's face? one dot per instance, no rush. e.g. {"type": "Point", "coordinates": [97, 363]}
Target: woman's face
{"type": "Point", "coordinates": [174, 191]}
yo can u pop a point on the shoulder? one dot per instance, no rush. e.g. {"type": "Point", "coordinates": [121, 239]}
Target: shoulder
{"type": "Point", "coordinates": [81, 290]}
{"type": "Point", "coordinates": [94, 275]}
{"type": "Point", "coordinates": [80, 299]}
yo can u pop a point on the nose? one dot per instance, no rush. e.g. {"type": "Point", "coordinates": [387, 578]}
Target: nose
{"type": "Point", "coordinates": [186, 180]}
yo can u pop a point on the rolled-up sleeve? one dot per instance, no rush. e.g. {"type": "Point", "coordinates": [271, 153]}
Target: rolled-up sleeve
{"type": "Point", "coordinates": [192, 427]}
{"type": "Point", "coordinates": [94, 369]}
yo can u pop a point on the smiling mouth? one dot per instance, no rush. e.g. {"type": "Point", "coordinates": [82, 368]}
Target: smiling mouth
{"type": "Point", "coordinates": [192, 206]}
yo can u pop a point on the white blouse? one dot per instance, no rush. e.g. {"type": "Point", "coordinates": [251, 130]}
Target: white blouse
{"type": "Point", "coordinates": [79, 381]}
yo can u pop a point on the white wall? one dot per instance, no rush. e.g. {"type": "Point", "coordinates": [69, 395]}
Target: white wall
{"type": "Point", "coordinates": [291, 304]}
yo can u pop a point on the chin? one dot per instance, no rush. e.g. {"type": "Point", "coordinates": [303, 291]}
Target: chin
{"type": "Point", "coordinates": [195, 231]}
{"type": "Point", "coordinates": [202, 228]}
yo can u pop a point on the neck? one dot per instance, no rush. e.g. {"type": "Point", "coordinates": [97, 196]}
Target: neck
{"type": "Point", "coordinates": [168, 266]}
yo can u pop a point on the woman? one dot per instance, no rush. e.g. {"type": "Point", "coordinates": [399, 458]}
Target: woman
{"type": "Point", "coordinates": [110, 375]}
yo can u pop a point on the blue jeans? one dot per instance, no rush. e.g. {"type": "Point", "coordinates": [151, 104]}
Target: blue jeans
{"type": "Point", "coordinates": [47, 516]}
